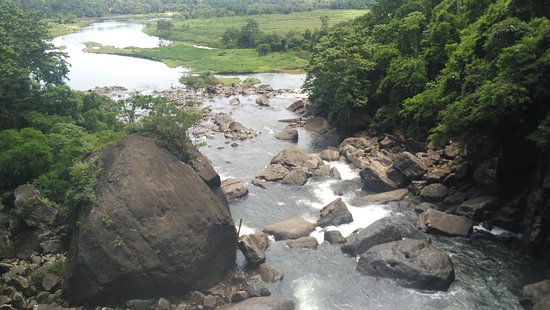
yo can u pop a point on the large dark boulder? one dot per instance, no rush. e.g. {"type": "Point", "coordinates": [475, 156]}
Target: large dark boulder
{"type": "Point", "coordinates": [475, 207]}
{"type": "Point", "coordinates": [409, 165]}
{"type": "Point", "coordinates": [157, 229]}
{"type": "Point", "coordinates": [434, 192]}
{"type": "Point", "coordinates": [376, 180]}
{"type": "Point", "coordinates": [433, 221]}
{"type": "Point", "coordinates": [32, 209]}
{"type": "Point", "coordinates": [335, 213]}
{"type": "Point", "coordinates": [384, 230]}
{"type": "Point", "coordinates": [290, 157]}
{"type": "Point", "coordinates": [253, 247]}
{"type": "Point", "coordinates": [411, 263]}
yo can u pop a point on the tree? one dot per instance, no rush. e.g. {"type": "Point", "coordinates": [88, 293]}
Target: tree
{"type": "Point", "coordinates": [263, 49]}
{"type": "Point", "coordinates": [249, 35]}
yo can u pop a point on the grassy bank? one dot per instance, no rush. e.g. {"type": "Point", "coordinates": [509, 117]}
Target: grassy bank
{"type": "Point", "coordinates": [230, 61]}
{"type": "Point", "coordinates": [56, 29]}
{"type": "Point", "coordinates": [207, 31]}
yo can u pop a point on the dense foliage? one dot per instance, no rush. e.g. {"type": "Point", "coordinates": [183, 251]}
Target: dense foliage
{"type": "Point", "coordinates": [445, 69]}
{"type": "Point", "coordinates": [47, 129]}
{"type": "Point", "coordinates": [188, 8]}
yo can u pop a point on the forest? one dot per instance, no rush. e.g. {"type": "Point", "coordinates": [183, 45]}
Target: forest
{"type": "Point", "coordinates": [188, 8]}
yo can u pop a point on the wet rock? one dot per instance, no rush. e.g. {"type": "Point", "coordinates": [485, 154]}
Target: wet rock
{"type": "Point", "coordinates": [223, 121]}
{"type": "Point", "coordinates": [303, 243]}
{"type": "Point", "coordinates": [290, 157]}
{"type": "Point", "coordinates": [269, 274]}
{"type": "Point", "coordinates": [236, 126]}
{"type": "Point", "coordinates": [130, 244]}
{"type": "Point", "coordinates": [262, 101]}
{"type": "Point", "coordinates": [296, 177]}
{"type": "Point", "coordinates": [253, 248]}
{"type": "Point", "coordinates": [334, 237]}
{"type": "Point", "coordinates": [317, 124]}
{"type": "Point", "coordinates": [334, 173]}
{"type": "Point", "coordinates": [290, 229]}
{"type": "Point", "coordinates": [260, 183]}
{"type": "Point", "coordinates": [335, 213]}
{"type": "Point", "coordinates": [411, 263]}
{"type": "Point", "coordinates": [239, 296]}
{"type": "Point", "coordinates": [416, 186]}
{"type": "Point", "coordinates": [440, 222]}
{"type": "Point", "coordinates": [235, 101]}
{"type": "Point", "coordinates": [289, 134]}
{"type": "Point", "coordinates": [375, 179]}
{"type": "Point", "coordinates": [255, 287]}
{"type": "Point", "coordinates": [297, 106]}
{"type": "Point", "coordinates": [396, 176]}
{"type": "Point", "coordinates": [263, 303]}
{"type": "Point", "coordinates": [434, 192]}
{"type": "Point", "coordinates": [234, 188]}
{"type": "Point", "coordinates": [330, 155]}
{"type": "Point", "coordinates": [381, 231]}
{"type": "Point", "coordinates": [274, 172]}
{"type": "Point", "coordinates": [322, 171]}
{"type": "Point", "coordinates": [409, 165]}
{"type": "Point", "coordinates": [386, 197]}
{"type": "Point", "coordinates": [475, 207]}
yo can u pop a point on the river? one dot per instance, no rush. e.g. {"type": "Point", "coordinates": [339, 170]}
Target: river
{"type": "Point", "coordinates": [489, 276]}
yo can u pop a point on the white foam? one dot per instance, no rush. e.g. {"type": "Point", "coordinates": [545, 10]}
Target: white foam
{"type": "Point", "coordinates": [497, 231]}
{"type": "Point", "coordinates": [269, 130]}
{"type": "Point", "coordinates": [305, 291]}
{"type": "Point", "coordinates": [347, 172]}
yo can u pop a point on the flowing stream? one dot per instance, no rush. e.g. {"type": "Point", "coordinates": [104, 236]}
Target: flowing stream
{"type": "Point", "coordinates": [488, 275]}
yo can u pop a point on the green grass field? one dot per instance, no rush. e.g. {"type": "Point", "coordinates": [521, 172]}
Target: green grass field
{"type": "Point", "coordinates": [208, 31]}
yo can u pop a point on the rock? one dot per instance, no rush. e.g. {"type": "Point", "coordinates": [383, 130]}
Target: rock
{"type": "Point", "coordinates": [163, 304]}
{"type": "Point", "coordinates": [223, 121]}
{"type": "Point", "coordinates": [330, 155]}
{"type": "Point", "coordinates": [485, 175]}
{"type": "Point", "coordinates": [236, 126]}
{"type": "Point", "coordinates": [386, 197]}
{"type": "Point", "coordinates": [317, 124]}
{"type": "Point", "coordinates": [335, 213]}
{"type": "Point", "coordinates": [538, 291]}
{"type": "Point", "coordinates": [296, 106]}
{"type": "Point", "coordinates": [239, 296]}
{"type": "Point", "coordinates": [234, 188]}
{"type": "Point", "coordinates": [543, 304]}
{"type": "Point", "coordinates": [381, 231]}
{"type": "Point", "coordinates": [409, 165]}
{"type": "Point", "coordinates": [303, 243]}
{"type": "Point", "coordinates": [260, 183]}
{"type": "Point", "coordinates": [253, 249]}
{"type": "Point", "coordinates": [396, 176]}
{"type": "Point", "coordinates": [440, 222]}
{"type": "Point", "coordinates": [416, 187]}
{"type": "Point", "coordinates": [290, 157]}
{"type": "Point", "coordinates": [475, 207]}
{"type": "Point", "coordinates": [452, 150]}
{"type": "Point", "coordinates": [334, 237]}
{"type": "Point", "coordinates": [387, 142]}
{"type": "Point", "coordinates": [209, 302]}
{"type": "Point", "coordinates": [196, 297]}
{"type": "Point", "coordinates": [269, 274]}
{"type": "Point", "coordinates": [262, 101]}
{"type": "Point", "coordinates": [31, 208]}
{"type": "Point", "coordinates": [289, 134]}
{"type": "Point", "coordinates": [375, 179]}
{"type": "Point", "coordinates": [274, 172]}
{"type": "Point", "coordinates": [296, 177]}
{"type": "Point", "coordinates": [322, 171]}
{"type": "Point", "coordinates": [255, 287]}
{"type": "Point", "coordinates": [141, 304]}
{"type": "Point", "coordinates": [263, 303]}
{"type": "Point", "coordinates": [434, 192]}
{"type": "Point", "coordinates": [204, 169]}
{"type": "Point", "coordinates": [26, 243]}
{"type": "Point", "coordinates": [235, 101]}
{"type": "Point", "coordinates": [157, 229]}
{"type": "Point", "coordinates": [51, 282]}
{"type": "Point", "coordinates": [6, 245]}
{"type": "Point", "coordinates": [335, 174]}
{"type": "Point", "coordinates": [411, 263]}
{"type": "Point", "coordinates": [290, 229]}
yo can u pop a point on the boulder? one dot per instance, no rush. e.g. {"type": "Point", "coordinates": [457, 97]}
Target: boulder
{"type": "Point", "coordinates": [234, 188]}
{"type": "Point", "coordinates": [432, 221]}
{"type": "Point", "coordinates": [297, 177]}
{"type": "Point", "coordinates": [475, 207]}
{"type": "Point", "coordinates": [322, 171]}
{"type": "Point", "coordinates": [269, 274]}
{"type": "Point", "coordinates": [317, 124]}
{"type": "Point", "coordinates": [296, 106]}
{"type": "Point", "coordinates": [485, 175]}
{"type": "Point", "coordinates": [290, 229]}
{"type": "Point", "coordinates": [335, 213]}
{"type": "Point", "coordinates": [260, 183]}
{"type": "Point", "coordinates": [253, 248]}
{"type": "Point", "coordinates": [386, 197]}
{"type": "Point", "coordinates": [452, 150]}
{"type": "Point", "coordinates": [411, 263]}
{"type": "Point", "coordinates": [255, 287]}
{"type": "Point", "coordinates": [375, 179]}
{"type": "Point", "coordinates": [236, 126]}
{"type": "Point", "coordinates": [537, 292]}
{"type": "Point", "coordinates": [334, 237]}
{"type": "Point", "coordinates": [395, 175]}
{"type": "Point", "coordinates": [157, 229]}
{"type": "Point", "coordinates": [32, 209]}
{"type": "Point", "coordinates": [409, 165]}
{"type": "Point", "coordinates": [289, 134]}
{"type": "Point", "coordinates": [303, 243]}
{"type": "Point", "coordinates": [263, 303]}
{"type": "Point", "coordinates": [223, 121]}
{"type": "Point", "coordinates": [51, 282]}
{"type": "Point", "coordinates": [434, 192]}
{"type": "Point", "coordinates": [290, 157]}
{"type": "Point", "coordinates": [235, 101]}
{"type": "Point", "coordinates": [330, 155]}
{"type": "Point", "coordinates": [6, 245]}
{"type": "Point", "coordinates": [274, 172]}
{"type": "Point", "coordinates": [262, 101]}
{"type": "Point", "coordinates": [334, 173]}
